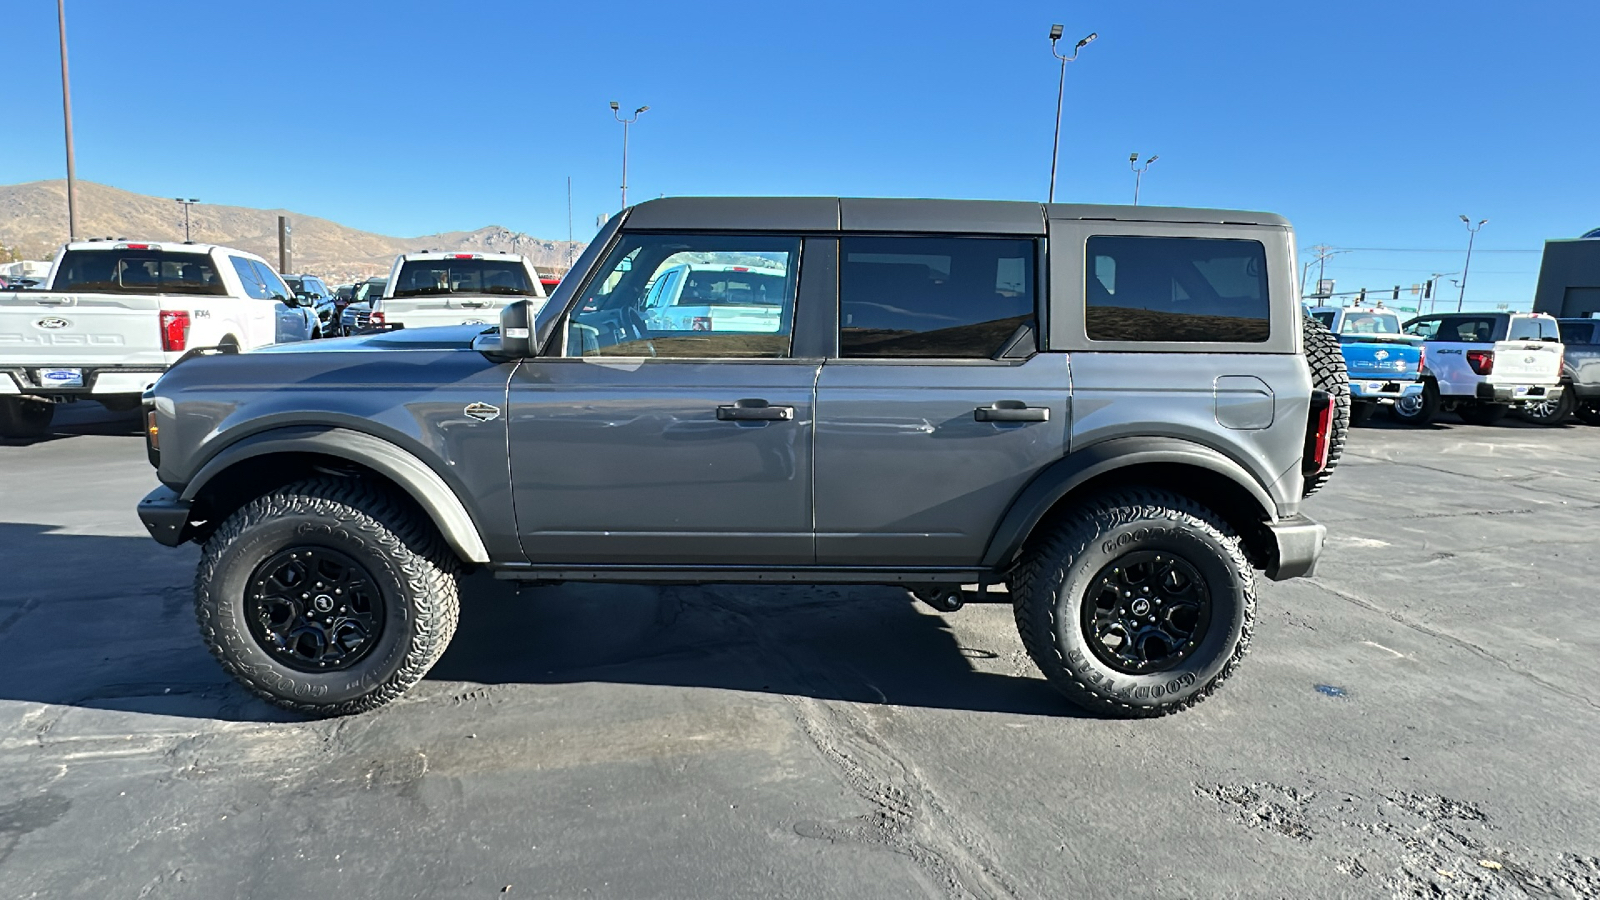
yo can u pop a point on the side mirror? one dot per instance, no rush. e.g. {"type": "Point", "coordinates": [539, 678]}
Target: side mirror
{"type": "Point", "coordinates": [516, 330]}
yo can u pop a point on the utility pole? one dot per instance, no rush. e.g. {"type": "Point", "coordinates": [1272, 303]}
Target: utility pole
{"type": "Point", "coordinates": [285, 245]}
{"type": "Point", "coordinates": [569, 222]}
{"type": "Point", "coordinates": [625, 123]}
{"type": "Point", "coordinates": [1138, 173]}
{"type": "Point", "coordinates": [1323, 252]}
{"type": "Point", "coordinates": [66, 109]}
{"type": "Point", "coordinates": [1472, 233]}
{"type": "Point", "coordinates": [186, 204]}
{"type": "Point", "coordinates": [1061, 87]}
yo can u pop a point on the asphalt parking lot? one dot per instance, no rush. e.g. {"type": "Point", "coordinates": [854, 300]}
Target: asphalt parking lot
{"type": "Point", "coordinates": [1419, 720]}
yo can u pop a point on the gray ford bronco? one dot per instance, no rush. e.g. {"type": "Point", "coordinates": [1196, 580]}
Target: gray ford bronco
{"type": "Point", "coordinates": [1113, 411]}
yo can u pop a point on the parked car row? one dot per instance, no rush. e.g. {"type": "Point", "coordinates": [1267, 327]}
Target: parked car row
{"type": "Point", "coordinates": [114, 314]}
{"type": "Point", "coordinates": [1479, 365]}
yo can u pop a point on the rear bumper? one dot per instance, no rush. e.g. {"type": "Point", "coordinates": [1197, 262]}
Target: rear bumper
{"type": "Point", "coordinates": [1517, 393]}
{"type": "Point", "coordinates": [1298, 543]}
{"type": "Point", "coordinates": [165, 516]}
{"type": "Point", "coordinates": [97, 380]}
{"type": "Point", "coordinates": [1379, 389]}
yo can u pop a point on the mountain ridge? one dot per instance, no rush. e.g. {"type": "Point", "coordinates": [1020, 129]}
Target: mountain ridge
{"type": "Point", "coordinates": [33, 223]}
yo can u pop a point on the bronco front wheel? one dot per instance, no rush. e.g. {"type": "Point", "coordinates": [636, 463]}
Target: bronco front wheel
{"type": "Point", "coordinates": [326, 597]}
{"type": "Point", "coordinates": [1137, 604]}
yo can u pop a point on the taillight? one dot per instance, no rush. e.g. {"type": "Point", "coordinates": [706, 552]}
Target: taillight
{"type": "Point", "coordinates": [700, 323]}
{"type": "Point", "coordinates": [1422, 359]}
{"type": "Point", "coordinates": [1319, 434]}
{"type": "Point", "coordinates": [375, 319]}
{"type": "Point", "coordinates": [1481, 361]}
{"type": "Point", "coordinates": [174, 330]}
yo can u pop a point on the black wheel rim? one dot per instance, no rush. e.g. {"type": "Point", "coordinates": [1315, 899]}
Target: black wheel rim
{"type": "Point", "coordinates": [314, 609]}
{"type": "Point", "coordinates": [1146, 612]}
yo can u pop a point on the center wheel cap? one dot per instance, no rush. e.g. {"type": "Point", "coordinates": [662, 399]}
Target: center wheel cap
{"type": "Point", "coordinates": [323, 603]}
{"type": "Point", "coordinates": [1141, 606]}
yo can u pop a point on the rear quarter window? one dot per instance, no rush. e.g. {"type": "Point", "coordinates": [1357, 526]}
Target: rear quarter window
{"type": "Point", "coordinates": [1172, 289]}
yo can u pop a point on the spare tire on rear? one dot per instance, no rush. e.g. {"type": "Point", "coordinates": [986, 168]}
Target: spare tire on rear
{"type": "Point", "coordinates": [1328, 374]}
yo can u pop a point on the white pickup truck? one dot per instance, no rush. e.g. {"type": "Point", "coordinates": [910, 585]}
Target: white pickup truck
{"type": "Point", "coordinates": [118, 313]}
{"type": "Point", "coordinates": [1482, 364]}
{"type": "Point", "coordinates": [716, 297]}
{"type": "Point", "coordinates": [454, 289]}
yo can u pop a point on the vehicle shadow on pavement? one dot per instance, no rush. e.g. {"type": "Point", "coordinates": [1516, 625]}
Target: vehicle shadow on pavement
{"type": "Point", "coordinates": [862, 644]}
{"type": "Point", "coordinates": [107, 623]}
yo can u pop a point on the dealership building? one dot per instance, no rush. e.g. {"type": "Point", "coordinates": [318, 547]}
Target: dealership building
{"type": "Point", "coordinates": [1569, 277]}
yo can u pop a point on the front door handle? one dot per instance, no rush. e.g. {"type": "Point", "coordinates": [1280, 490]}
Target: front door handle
{"type": "Point", "coordinates": [1011, 411]}
{"type": "Point", "coordinates": [754, 411]}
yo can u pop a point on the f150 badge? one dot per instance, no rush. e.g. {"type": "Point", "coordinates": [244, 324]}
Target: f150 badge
{"type": "Point", "coordinates": [483, 412]}
{"type": "Point", "coordinates": [52, 323]}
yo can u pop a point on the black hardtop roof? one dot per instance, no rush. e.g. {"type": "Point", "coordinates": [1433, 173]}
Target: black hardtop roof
{"type": "Point", "coordinates": [878, 214]}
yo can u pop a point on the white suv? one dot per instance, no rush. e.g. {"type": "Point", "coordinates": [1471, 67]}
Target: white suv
{"type": "Point", "coordinates": [454, 288]}
{"type": "Point", "coordinates": [1481, 364]}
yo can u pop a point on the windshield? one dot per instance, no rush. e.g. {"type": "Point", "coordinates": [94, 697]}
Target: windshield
{"type": "Point", "coordinates": [462, 276]}
{"type": "Point", "coordinates": [138, 272]}
{"type": "Point", "coordinates": [1370, 323]}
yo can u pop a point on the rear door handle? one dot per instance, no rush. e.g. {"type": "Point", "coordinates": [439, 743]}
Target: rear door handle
{"type": "Point", "coordinates": [754, 411]}
{"type": "Point", "coordinates": [1011, 411]}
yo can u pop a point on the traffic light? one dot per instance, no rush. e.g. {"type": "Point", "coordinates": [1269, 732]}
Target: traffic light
{"type": "Point", "coordinates": [1361, 300]}
{"type": "Point", "coordinates": [1396, 292]}
{"type": "Point", "coordinates": [1427, 289]}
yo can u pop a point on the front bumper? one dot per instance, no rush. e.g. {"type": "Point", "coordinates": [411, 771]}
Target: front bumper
{"type": "Point", "coordinates": [1379, 390]}
{"type": "Point", "coordinates": [1298, 543]}
{"type": "Point", "coordinates": [1517, 393]}
{"type": "Point", "coordinates": [165, 515]}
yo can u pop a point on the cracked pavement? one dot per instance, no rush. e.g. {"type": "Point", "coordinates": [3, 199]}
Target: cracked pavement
{"type": "Point", "coordinates": [1419, 720]}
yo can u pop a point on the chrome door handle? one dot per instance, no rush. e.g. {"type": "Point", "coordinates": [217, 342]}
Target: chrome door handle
{"type": "Point", "coordinates": [754, 411]}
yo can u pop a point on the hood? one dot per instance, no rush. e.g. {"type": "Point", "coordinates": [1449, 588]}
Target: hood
{"type": "Point", "coordinates": [440, 337]}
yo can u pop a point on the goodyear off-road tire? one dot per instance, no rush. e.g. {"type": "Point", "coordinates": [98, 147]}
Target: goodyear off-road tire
{"type": "Point", "coordinates": [1482, 413]}
{"type": "Point", "coordinates": [25, 417]}
{"type": "Point", "coordinates": [1328, 373]}
{"type": "Point", "coordinates": [1060, 588]}
{"type": "Point", "coordinates": [402, 556]}
{"type": "Point", "coordinates": [1588, 412]}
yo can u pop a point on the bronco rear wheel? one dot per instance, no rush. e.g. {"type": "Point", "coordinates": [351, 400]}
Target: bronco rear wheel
{"type": "Point", "coordinates": [326, 597]}
{"type": "Point", "coordinates": [1137, 604]}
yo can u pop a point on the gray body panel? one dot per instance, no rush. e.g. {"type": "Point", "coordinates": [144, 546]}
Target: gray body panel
{"type": "Point", "coordinates": [620, 460]}
{"type": "Point", "coordinates": [905, 473]}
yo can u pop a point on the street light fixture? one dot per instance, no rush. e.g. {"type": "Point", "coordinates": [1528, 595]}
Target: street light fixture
{"type": "Point", "coordinates": [1138, 172]}
{"type": "Point", "coordinates": [1472, 234]}
{"type": "Point", "coordinates": [616, 114]}
{"type": "Point", "coordinates": [1061, 86]}
{"type": "Point", "coordinates": [186, 204]}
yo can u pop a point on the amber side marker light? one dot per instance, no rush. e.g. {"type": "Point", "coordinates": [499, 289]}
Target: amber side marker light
{"type": "Point", "coordinates": [152, 433]}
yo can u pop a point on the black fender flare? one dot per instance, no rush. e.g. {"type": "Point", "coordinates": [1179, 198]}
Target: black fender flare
{"type": "Point", "coordinates": [1067, 474]}
{"type": "Point", "coordinates": [424, 485]}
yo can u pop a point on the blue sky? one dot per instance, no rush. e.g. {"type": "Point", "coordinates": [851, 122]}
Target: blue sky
{"type": "Point", "coordinates": [1368, 124]}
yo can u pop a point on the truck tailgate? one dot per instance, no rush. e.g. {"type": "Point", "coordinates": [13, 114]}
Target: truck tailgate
{"type": "Point", "coordinates": [46, 328]}
{"type": "Point", "coordinates": [1526, 362]}
{"type": "Point", "coordinates": [1382, 356]}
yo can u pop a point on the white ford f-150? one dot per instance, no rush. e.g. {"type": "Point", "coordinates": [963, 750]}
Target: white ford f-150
{"type": "Point", "coordinates": [454, 289]}
{"type": "Point", "coordinates": [119, 313]}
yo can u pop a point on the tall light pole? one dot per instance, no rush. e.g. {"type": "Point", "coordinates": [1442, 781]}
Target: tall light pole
{"type": "Point", "coordinates": [625, 123]}
{"type": "Point", "coordinates": [186, 204]}
{"type": "Point", "coordinates": [1472, 234]}
{"type": "Point", "coordinates": [66, 109]}
{"type": "Point", "coordinates": [1138, 173]}
{"type": "Point", "coordinates": [1061, 87]}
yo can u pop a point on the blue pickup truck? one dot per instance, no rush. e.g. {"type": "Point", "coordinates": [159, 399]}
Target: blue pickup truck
{"type": "Point", "coordinates": [1385, 365]}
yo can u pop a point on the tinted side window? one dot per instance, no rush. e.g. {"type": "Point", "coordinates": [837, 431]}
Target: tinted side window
{"type": "Point", "coordinates": [1465, 329]}
{"type": "Point", "coordinates": [269, 278]}
{"type": "Point", "coordinates": [746, 311]}
{"type": "Point", "coordinates": [1325, 318]}
{"type": "Point", "coordinates": [253, 287]}
{"type": "Point", "coordinates": [1163, 289]}
{"type": "Point", "coordinates": [1425, 328]}
{"type": "Point", "coordinates": [913, 297]}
